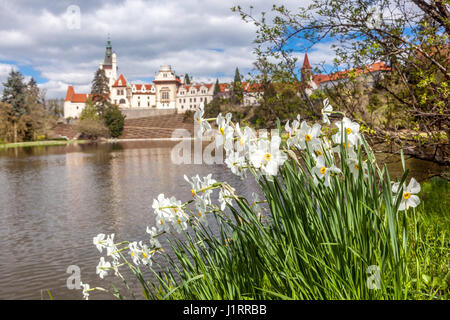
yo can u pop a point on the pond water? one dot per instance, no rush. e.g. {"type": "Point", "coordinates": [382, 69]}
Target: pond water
{"type": "Point", "coordinates": [54, 200]}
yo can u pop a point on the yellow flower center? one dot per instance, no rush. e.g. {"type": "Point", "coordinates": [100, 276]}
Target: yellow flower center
{"type": "Point", "coordinates": [348, 130]}
{"type": "Point", "coordinates": [307, 137]}
{"type": "Point", "coordinates": [267, 157]}
{"type": "Point", "coordinates": [241, 141]}
{"type": "Point", "coordinates": [222, 131]}
{"type": "Point", "coordinates": [161, 221]}
{"type": "Point", "coordinates": [132, 253]}
{"type": "Point", "coordinates": [356, 166]}
{"type": "Point", "coordinates": [175, 210]}
{"type": "Point", "coordinates": [199, 214]}
{"type": "Point", "coordinates": [199, 120]}
{"type": "Point", "coordinates": [193, 192]}
{"type": "Point", "coordinates": [144, 254]}
{"type": "Point", "coordinates": [323, 170]}
{"type": "Point", "coordinates": [178, 221]}
{"type": "Point", "coordinates": [406, 195]}
{"type": "Point", "coordinates": [318, 152]}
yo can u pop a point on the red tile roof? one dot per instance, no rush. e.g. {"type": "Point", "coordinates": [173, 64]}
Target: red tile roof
{"type": "Point", "coordinates": [378, 66]}
{"type": "Point", "coordinates": [147, 87]}
{"type": "Point", "coordinates": [75, 97]}
{"type": "Point", "coordinates": [120, 78]}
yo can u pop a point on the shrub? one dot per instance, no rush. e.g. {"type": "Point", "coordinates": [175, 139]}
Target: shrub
{"type": "Point", "coordinates": [92, 129]}
{"type": "Point", "coordinates": [114, 120]}
{"type": "Point", "coordinates": [188, 116]}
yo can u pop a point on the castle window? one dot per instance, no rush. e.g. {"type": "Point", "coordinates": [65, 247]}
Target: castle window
{"type": "Point", "coordinates": [139, 104]}
{"type": "Point", "coordinates": [122, 101]}
{"type": "Point", "coordinates": [165, 95]}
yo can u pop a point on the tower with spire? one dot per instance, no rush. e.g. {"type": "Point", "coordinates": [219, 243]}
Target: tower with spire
{"type": "Point", "coordinates": [110, 63]}
{"type": "Point", "coordinates": [306, 70]}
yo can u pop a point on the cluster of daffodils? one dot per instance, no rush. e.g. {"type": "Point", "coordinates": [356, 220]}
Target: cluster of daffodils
{"type": "Point", "coordinates": [262, 155]}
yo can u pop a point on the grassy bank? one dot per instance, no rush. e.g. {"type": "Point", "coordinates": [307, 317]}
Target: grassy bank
{"type": "Point", "coordinates": [41, 143]}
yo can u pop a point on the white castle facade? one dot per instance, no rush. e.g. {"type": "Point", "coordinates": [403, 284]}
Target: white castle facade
{"type": "Point", "coordinates": [166, 92]}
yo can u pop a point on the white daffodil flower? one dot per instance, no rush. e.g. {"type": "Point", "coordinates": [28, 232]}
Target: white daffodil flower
{"type": "Point", "coordinates": [292, 131]}
{"type": "Point", "coordinates": [201, 212]}
{"type": "Point", "coordinates": [347, 128]}
{"type": "Point", "coordinates": [225, 131]}
{"type": "Point", "coordinates": [146, 254]}
{"type": "Point", "coordinates": [153, 232]}
{"type": "Point", "coordinates": [353, 165]}
{"type": "Point", "coordinates": [267, 156]}
{"type": "Point", "coordinates": [326, 110]}
{"type": "Point", "coordinates": [320, 147]}
{"type": "Point", "coordinates": [202, 124]}
{"type": "Point", "coordinates": [163, 212]}
{"type": "Point", "coordinates": [103, 267]}
{"type": "Point", "coordinates": [323, 172]}
{"type": "Point", "coordinates": [236, 163]}
{"type": "Point", "coordinates": [225, 197]}
{"type": "Point", "coordinates": [86, 289]}
{"type": "Point", "coordinates": [199, 189]}
{"type": "Point", "coordinates": [305, 135]}
{"type": "Point", "coordinates": [134, 252]}
{"type": "Point", "coordinates": [99, 241]}
{"type": "Point", "coordinates": [409, 197]}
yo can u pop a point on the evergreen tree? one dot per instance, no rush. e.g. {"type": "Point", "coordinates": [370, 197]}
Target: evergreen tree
{"type": "Point", "coordinates": [216, 88]}
{"type": "Point", "coordinates": [100, 92]}
{"type": "Point", "coordinates": [187, 80]}
{"type": "Point", "coordinates": [114, 120]}
{"type": "Point", "coordinates": [15, 93]}
{"type": "Point", "coordinates": [238, 93]}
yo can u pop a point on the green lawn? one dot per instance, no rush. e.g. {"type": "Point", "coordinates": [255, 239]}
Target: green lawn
{"type": "Point", "coordinates": [41, 143]}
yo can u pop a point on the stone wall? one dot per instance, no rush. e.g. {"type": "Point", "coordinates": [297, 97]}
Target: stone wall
{"type": "Point", "coordinates": [145, 113]}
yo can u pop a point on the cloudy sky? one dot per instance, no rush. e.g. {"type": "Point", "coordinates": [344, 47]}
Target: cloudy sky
{"type": "Point", "coordinates": [201, 37]}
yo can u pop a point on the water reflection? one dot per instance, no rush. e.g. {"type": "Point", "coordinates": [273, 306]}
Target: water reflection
{"type": "Point", "coordinates": [55, 199]}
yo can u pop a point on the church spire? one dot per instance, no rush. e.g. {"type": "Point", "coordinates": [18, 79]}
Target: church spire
{"type": "Point", "coordinates": [306, 70]}
{"type": "Point", "coordinates": [306, 64]}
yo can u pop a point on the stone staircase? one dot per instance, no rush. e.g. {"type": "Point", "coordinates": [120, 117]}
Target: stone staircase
{"type": "Point", "coordinates": [64, 130]}
{"type": "Point", "coordinates": [155, 127]}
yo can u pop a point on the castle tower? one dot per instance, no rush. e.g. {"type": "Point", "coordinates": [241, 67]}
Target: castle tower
{"type": "Point", "coordinates": [166, 85]}
{"type": "Point", "coordinates": [306, 70]}
{"type": "Point", "coordinates": [110, 64]}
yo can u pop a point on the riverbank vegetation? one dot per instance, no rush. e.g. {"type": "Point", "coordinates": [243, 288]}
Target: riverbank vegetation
{"type": "Point", "coordinates": [25, 114]}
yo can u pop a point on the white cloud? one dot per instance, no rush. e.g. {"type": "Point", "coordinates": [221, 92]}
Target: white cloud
{"type": "Point", "coordinates": [201, 37]}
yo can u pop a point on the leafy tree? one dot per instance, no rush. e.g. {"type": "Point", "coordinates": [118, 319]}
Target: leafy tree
{"type": "Point", "coordinates": [411, 37]}
{"type": "Point", "coordinates": [114, 120]}
{"type": "Point", "coordinates": [89, 111]}
{"type": "Point", "coordinates": [100, 91]}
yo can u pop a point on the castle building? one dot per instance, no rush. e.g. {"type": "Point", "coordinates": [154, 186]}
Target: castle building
{"type": "Point", "coordinates": [166, 92]}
